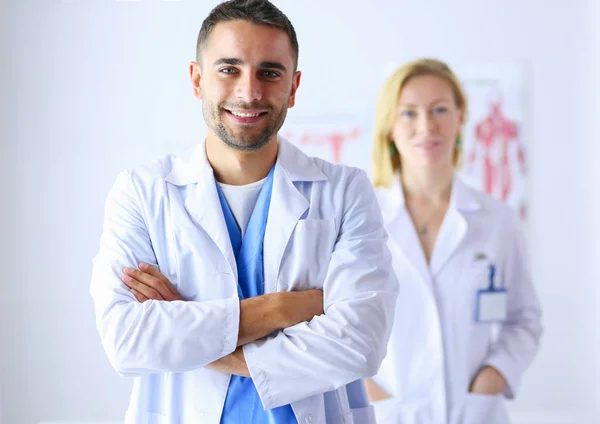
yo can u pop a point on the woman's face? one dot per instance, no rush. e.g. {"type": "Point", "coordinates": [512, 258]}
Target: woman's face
{"type": "Point", "coordinates": [427, 122]}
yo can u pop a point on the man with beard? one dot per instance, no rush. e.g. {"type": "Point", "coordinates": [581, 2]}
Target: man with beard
{"type": "Point", "coordinates": [246, 282]}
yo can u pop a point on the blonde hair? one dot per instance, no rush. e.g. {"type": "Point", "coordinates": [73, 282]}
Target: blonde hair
{"type": "Point", "coordinates": [386, 161]}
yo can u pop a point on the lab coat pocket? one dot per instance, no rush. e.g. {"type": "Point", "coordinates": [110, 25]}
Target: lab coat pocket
{"type": "Point", "coordinates": [478, 409]}
{"type": "Point", "coordinates": [304, 265]}
{"type": "Point", "coordinates": [144, 417]}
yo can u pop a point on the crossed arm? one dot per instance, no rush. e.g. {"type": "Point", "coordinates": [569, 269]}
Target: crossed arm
{"type": "Point", "coordinates": [259, 316]}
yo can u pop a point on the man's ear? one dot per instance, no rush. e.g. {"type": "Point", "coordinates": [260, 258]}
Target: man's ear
{"type": "Point", "coordinates": [195, 76]}
{"type": "Point", "coordinates": [295, 85]}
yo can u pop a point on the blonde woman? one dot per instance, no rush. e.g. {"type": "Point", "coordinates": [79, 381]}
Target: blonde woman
{"type": "Point", "coordinates": [467, 321]}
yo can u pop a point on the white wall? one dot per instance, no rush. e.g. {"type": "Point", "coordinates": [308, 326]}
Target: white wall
{"type": "Point", "coordinates": [596, 24]}
{"type": "Point", "coordinates": [7, 214]}
{"type": "Point", "coordinates": [102, 85]}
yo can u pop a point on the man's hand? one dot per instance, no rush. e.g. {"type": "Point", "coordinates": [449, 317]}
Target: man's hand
{"type": "Point", "coordinates": [375, 392]}
{"type": "Point", "coordinates": [488, 382]}
{"type": "Point", "coordinates": [148, 283]}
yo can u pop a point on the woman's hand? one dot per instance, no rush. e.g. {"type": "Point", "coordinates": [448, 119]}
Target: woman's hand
{"type": "Point", "coordinates": [488, 382]}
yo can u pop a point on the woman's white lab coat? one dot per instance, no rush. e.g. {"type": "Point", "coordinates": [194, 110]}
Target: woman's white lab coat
{"type": "Point", "coordinates": [324, 231]}
{"type": "Point", "coordinates": [437, 347]}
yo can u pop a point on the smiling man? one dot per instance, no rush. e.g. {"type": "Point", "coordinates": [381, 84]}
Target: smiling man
{"type": "Point", "coordinates": [245, 282]}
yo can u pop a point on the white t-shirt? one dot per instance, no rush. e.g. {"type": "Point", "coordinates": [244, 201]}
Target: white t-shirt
{"type": "Point", "coordinates": [241, 200]}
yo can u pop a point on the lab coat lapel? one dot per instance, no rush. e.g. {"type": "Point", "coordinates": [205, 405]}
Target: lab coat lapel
{"type": "Point", "coordinates": [402, 230]}
{"type": "Point", "coordinates": [288, 205]}
{"type": "Point", "coordinates": [203, 203]}
{"type": "Point", "coordinates": [454, 227]}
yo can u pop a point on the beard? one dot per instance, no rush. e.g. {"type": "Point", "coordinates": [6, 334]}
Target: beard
{"type": "Point", "coordinates": [243, 140]}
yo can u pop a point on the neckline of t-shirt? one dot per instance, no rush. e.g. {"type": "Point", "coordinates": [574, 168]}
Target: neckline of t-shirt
{"type": "Point", "coordinates": [250, 186]}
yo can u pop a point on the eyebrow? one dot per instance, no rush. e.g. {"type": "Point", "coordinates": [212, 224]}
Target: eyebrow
{"type": "Point", "coordinates": [434, 102]}
{"type": "Point", "coordinates": [273, 65]}
{"type": "Point", "coordinates": [236, 62]}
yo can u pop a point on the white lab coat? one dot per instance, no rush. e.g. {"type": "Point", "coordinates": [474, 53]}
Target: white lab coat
{"type": "Point", "coordinates": [324, 230]}
{"type": "Point", "coordinates": [437, 347]}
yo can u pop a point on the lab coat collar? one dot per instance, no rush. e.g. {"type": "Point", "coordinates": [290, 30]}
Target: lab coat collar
{"type": "Point", "coordinates": [463, 200]}
{"type": "Point", "coordinates": [462, 197]}
{"type": "Point", "coordinates": [288, 204]}
{"type": "Point", "coordinates": [193, 167]}
{"type": "Point", "coordinates": [190, 167]}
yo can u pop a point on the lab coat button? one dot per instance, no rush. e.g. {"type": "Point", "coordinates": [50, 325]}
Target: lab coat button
{"type": "Point", "coordinates": [308, 419]}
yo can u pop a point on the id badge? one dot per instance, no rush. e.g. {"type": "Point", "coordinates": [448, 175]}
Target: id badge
{"type": "Point", "coordinates": [492, 304]}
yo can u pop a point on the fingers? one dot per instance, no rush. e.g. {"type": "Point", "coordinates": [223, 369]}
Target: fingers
{"type": "Point", "coordinates": [149, 269]}
{"type": "Point", "coordinates": [140, 297]}
{"type": "Point", "coordinates": [142, 284]}
{"type": "Point", "coordinates": [149, 283]}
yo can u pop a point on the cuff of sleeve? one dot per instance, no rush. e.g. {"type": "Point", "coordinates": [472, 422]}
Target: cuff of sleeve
{"type": "Point", "coordinates": [258, 374]}
{"type": "Point", "coordinates": [506, 367]}
{"type": "Point", "coordinates": [232, 326]}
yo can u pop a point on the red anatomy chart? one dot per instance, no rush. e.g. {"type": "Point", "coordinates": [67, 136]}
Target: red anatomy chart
{"type": "Point", "coordinates": [333, 139]}
{"type": "Point", "coordinates": [494, 138]}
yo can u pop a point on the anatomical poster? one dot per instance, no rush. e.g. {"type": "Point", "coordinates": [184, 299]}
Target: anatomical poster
{"type": "Point", "coordinates": [495, 136]}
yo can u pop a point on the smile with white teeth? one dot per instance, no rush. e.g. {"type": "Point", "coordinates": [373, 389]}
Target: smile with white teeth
{"type": "Point", "coordinates": [245, 115]}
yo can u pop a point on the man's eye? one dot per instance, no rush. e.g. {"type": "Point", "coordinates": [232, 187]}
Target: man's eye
{"type": "Point", "coordinates": [270, 74]}
{"type": "Point", "coordinates": [227, 71]}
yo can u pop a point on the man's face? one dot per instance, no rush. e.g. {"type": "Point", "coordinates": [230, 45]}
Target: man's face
{"type": "Point", "coordinates": [246, 82]}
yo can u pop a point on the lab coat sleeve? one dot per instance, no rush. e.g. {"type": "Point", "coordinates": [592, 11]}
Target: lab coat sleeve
{"type": "Point", "coordinates": [519, 336]}
{"type": "Point", "coordinates": [349, 341]}
{"type": "Point", "coordinates": [154, 336]}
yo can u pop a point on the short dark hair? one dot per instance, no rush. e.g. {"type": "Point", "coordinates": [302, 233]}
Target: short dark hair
{"type": "Point", "coordinates": [258, 12]}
